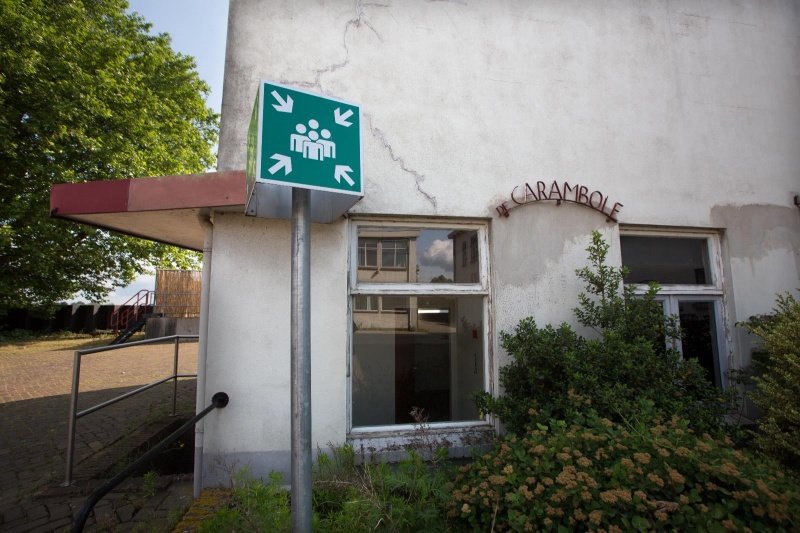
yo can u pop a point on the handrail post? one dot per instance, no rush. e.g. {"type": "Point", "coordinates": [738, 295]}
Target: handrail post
{"type": "Point", "coordinates": [175, 379]}
{"type": "Point", "coordinates": [73, 420]}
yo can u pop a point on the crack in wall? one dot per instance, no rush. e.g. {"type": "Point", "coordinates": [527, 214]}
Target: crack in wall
{"type": "Point", "coordinates": [418, 177]}
{"type": "Point", "coordinates": [356, 22]}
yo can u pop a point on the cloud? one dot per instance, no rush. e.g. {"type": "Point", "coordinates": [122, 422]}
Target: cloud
{"type": "Point", "coordinates": [438, 254]}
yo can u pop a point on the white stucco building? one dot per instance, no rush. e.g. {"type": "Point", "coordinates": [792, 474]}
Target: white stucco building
{"type": "Point", "coordinates": [672, 127]}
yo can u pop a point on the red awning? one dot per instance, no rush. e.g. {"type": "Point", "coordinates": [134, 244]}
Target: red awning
{"type": "Point", "coordinates": [163, 209]}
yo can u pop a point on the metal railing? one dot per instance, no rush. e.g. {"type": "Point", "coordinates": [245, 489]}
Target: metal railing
{"type": "Point", "coordinates": [132, 310]}
{"type": "Point", "coordinates": [74, 414]}
{"type": "Point", "coordinates": [168, 304]}
{"type": "Point", "coordinates": [219, 400]}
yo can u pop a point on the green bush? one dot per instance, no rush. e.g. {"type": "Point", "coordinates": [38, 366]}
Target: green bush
{"type": "Point", "coordinates": [596, 474]}
{"type": "Point", "coordinates": [632, 358]}
{"type": "Point", "coordinates": [410, 496]}
{"type": "Point", "coordinates": [777, 376]}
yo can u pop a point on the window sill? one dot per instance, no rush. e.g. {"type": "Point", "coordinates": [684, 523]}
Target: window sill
{"type": "Point", "coordinates": [389, 443]}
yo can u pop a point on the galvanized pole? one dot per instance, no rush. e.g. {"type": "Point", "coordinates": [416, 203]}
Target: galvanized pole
{"type": "Point", "coordinates": [301, 361]}
{"type": "Point", "coordinates": [73, 418]}
{"type": "Point", "coordinates": [175, 379]}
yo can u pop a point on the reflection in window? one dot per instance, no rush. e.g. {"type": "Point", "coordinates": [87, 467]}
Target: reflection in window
{"type": "Point", "coordinates": [367, 253]}
{"type": "Point", "coordinates": [666, 260]}
{"type": "Point", "coordinates": [394, 254]}
{"type": "Point", "coordinates": [417, 255]}
{"type": "Point", "coordinates": [430, 357]}
{"type": "Point", "coordinates": [366, 303]}
{"type": "Point", "coordinates": [473, 250]}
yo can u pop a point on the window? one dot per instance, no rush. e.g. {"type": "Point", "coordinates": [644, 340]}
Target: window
{"type": "Point", "coordinates": [366, 303]}
{"type": "Point", "coordinates": [463, 254]}
{"type": "Point", "coordinates": [424, 345]}
{"type": "Point", "coordinates": [473, 250]}
{"type": "Point", "coordinates": [394, 254]}
{"type": "Point", "coordinates": [368, 253]}
{"type": "Point", "coordinates": [685, 265]}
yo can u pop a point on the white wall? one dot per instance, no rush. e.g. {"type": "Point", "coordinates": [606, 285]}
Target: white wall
{"type": "Point", "coordinates": [687, 112]}
{"type": "Point", "coordinates": [249, 343]}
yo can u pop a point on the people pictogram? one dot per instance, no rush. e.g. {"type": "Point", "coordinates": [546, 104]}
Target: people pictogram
{"type": "Point", "coordinates": [307, 141]}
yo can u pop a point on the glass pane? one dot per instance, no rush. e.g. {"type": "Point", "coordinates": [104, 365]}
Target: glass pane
{"type": "Point", "coordinates": [418, 255]}
{"type": "Point", "coordinates": [429, 356]}
{"type": "Point", "coordinates": [367, 253]}
{"type": "Point", "coordinates": [666, 260]}
{"type": "Point", "coordinates": [366, 303]}
{"type": "Point", "coordinates": [698, 324]}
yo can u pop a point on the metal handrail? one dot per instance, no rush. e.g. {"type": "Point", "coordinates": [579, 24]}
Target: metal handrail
{"type": "Point", "coordinates": [133, 307]}
{"type": "Point", "coordinates": [74, 415]}
{"type": "Point", "coordinates": [219, 400]}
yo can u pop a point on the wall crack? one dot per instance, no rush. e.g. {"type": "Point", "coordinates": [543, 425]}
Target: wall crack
{"type": "Point", "coordinates": [358, 21]}
{"type": "Point", "coordinates": [418, 176]}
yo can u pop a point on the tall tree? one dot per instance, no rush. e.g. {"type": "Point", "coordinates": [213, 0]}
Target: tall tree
{"type": "Point", "coordinates": [86, 94]}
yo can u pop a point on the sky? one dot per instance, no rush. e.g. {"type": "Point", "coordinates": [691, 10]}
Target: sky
{"type": "Point", "coordinates": [198, 28]}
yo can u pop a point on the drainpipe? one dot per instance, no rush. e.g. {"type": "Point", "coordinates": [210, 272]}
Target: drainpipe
{"type": "Point", "coordinates": [202, 351]}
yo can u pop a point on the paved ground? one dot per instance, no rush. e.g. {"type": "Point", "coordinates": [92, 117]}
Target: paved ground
{"type": "Point", "coordinates": [35, 384]}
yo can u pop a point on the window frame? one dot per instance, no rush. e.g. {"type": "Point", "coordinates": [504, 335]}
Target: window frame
{"type": "Point", "coordinates": [672, 295]}
{"type": "Point", "coordinates": [481, 288]}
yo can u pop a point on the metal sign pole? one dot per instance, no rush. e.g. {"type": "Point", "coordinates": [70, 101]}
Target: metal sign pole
{"type": "Point", "coordinates": [301, 361]}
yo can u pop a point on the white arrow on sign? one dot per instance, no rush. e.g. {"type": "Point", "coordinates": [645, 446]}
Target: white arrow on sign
{"type": "Point", "coordinates": [284, 162]}
{"type": "Point", "coordinates": [341, 172]}
{"type": "Point", "coordinates": [283, 106]}
{"type": "Point", "coordinates": [341, 118]}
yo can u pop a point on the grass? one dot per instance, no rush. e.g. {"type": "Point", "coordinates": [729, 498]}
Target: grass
{"type": "Point", "coordinates": [19, 341]}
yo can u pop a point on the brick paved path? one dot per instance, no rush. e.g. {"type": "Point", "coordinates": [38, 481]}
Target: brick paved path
{"type": "Point", "coordinates": [34, 406]}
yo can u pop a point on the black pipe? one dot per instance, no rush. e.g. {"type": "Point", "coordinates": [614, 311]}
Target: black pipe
{"type": "Point", "coordinates": [220, 400]}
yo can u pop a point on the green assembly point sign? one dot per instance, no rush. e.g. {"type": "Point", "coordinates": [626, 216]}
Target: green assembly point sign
{"type": "Point", "coordinates": [307, 140]}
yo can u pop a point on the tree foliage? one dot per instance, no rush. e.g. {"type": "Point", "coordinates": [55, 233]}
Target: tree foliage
{"type": "Point", "coordinates": [631, 359]}
{"type": "Point", "coordinates": [777, 376]}
{"type": "Point", "coordinates": [87, 94]}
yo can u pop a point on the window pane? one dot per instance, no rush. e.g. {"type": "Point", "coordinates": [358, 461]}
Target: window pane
{"type": "Point", "coordinates": [698, 324]}
{"type": "Point", "coordinates": [429, 357]}
{"type": "Point", "coordinates": [419, 255]}
{"type": "Point", "coordinates": [367, 253]}
{"type": "Point", "coordinates": [666, 260]}
{"type": "Point", "coordinates": [366, 303]}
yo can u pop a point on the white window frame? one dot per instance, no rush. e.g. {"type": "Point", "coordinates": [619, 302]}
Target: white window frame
{"type": "Point", "coordinates": [671, 295]}
{"type": "Point", "coordinates": [420, 289]}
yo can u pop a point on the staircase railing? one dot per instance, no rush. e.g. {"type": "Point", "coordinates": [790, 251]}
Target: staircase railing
{"type": "Point", "coordinates": [219, 400]}
{"type": "Point", "coordinates": [129, 312]}
{"type": "Point", "coordinates": [74, 414]}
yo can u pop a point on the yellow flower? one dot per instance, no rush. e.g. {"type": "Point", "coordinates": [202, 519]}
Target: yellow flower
{"type": "Point", "coordinates": [655, 479]}
{"type": "Point", "coordinates": [684, 499]}
{"type": "Point", "coordinates": [548, 522]}
{"type": "Point", "coordinates": [643, 458]}
{"type": "Point", "coordinates": [607, 423]}
{"type": "Point", "coordinates": [465, 508]}
{"type": "Point", "coordinates": [584, 462]}
{"type": "Point", "coordinates": [595, 517]}
{"type": "Point", "coordinates": [676, 477]}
